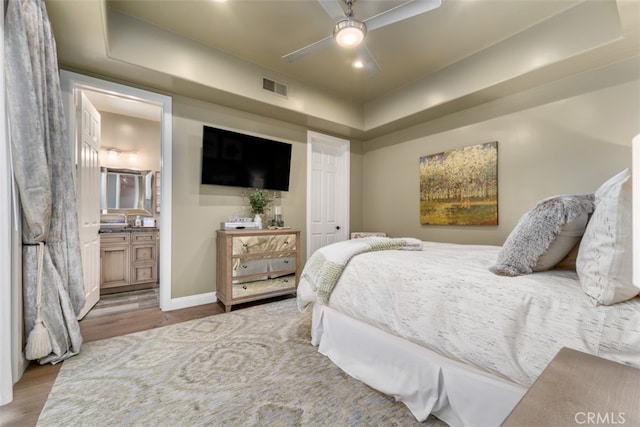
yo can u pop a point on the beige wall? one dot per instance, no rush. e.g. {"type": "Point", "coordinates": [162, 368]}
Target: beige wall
{"type": "Point", "coordinates": [566, 146]}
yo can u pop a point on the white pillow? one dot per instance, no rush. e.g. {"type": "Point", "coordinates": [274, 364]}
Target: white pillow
{"type": "Point", "coordinates": [604, 262]}
{"type": "Point", "coordinates": [544, 235]}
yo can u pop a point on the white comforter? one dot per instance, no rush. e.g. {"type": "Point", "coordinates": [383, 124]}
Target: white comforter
{"type": "Point", "coordinates": [445, 298]}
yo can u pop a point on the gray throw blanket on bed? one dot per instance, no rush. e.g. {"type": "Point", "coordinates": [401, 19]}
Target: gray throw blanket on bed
{"type": "Point", "coordinates": [325, 266]}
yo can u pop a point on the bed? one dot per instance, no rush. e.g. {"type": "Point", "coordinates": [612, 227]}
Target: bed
{"type": "Point", "coordinates": [461, 331]}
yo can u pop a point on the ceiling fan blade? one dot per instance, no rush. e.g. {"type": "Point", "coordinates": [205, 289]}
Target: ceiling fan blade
{"type": "Point", "coordinates": [401, 12]}
{"type": "Point", "coordinates": [308, 50]}
{"type": "Point", "coordinates": [333, 9]}
{"type": "Point", "coordinates": [369, 62]}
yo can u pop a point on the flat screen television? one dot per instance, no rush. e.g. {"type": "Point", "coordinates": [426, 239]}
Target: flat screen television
{"type": "Point", "coordinates": [238, 160]}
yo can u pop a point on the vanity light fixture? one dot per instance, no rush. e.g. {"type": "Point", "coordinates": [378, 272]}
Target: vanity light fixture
{"type": "Point", "coordinates": [113, 153]}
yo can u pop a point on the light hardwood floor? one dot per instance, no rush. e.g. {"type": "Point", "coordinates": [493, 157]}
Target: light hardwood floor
{"type": "Point", "coordinates": [32, 391]}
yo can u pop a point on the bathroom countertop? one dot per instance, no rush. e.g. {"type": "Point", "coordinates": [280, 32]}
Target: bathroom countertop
{"type": "Point", "coordinates": [128, 230]}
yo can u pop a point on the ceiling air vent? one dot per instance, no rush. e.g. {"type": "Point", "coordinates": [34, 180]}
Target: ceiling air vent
{"type": "Point", "coordinates": [274, 87]}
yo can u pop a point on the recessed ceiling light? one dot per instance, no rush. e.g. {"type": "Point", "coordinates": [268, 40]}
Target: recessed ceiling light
{"type": "Point", "coordinates": [357, 64]}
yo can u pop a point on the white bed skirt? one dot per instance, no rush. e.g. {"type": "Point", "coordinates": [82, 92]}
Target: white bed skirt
{"type": "Point", "coordinates": [426, 382]}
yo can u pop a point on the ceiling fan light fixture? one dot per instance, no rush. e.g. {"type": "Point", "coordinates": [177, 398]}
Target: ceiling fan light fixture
{"type": "Point", "coordinates": [350, 32]}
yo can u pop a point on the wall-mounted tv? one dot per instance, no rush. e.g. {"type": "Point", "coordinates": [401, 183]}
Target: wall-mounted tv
{"type": "Point", "coordinates": [238, 160]}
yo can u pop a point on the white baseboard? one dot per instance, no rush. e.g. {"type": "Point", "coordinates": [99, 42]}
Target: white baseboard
{"type": "Point", "coordinates": [190, 301]}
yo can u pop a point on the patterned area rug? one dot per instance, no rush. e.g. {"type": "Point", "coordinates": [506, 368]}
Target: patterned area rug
{"type": "Point", "coordinates": [250, 367]}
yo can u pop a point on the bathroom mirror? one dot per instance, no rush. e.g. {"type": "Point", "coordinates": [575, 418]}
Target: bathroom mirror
{"type": "Point", "coordinates": [126, 191]}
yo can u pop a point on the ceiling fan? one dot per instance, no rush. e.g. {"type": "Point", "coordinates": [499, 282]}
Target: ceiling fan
{"type": "Point", "coordinates": [350, 32]}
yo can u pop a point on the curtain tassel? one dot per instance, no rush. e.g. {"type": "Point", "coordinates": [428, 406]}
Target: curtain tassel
{"type": "Point", "coordinates": [38, 341]}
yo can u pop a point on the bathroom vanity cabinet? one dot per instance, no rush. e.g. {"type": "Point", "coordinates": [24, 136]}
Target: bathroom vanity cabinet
{"type": "Point", "coordinates": [128, 260]}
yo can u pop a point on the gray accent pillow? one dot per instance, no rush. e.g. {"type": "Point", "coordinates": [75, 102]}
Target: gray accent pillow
{"type": "Point", "coordinates": [544, 235]}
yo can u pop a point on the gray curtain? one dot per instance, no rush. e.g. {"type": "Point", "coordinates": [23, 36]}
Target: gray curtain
{"type": "Point", "coordinates": [43, 171]}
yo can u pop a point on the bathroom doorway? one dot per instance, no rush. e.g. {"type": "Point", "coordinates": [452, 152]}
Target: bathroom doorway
{"type": "Point", "coordinates": [136, 134]}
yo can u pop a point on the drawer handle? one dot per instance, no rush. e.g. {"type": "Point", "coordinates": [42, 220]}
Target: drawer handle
{"type": "Point", "coordinates": [244, 265]}
{"type": "Point", "coordinates": [286, 242]}
{"type": "Point", "coordinates": [286, 261]}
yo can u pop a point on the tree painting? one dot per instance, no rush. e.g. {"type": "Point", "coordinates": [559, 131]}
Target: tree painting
{"type": "Point", "coordinates": [460, 187]}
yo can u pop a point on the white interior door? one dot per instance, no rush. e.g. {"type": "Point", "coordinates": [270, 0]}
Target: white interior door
{"type": "Point", "coordinates": [88, 193]}
{"type": "Point", "coordinates": [327, 190]}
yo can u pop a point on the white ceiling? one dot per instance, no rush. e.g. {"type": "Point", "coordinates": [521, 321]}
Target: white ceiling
{"type": "Point", "coordinates": [114, 103]}
{"type": "Point", "coordinates": [410, 53]}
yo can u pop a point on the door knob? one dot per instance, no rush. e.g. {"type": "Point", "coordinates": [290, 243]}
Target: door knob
{"type": "Point", "coordinates": [337, 227]}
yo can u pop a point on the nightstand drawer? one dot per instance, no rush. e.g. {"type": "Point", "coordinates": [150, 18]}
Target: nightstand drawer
{"type": "Point", "coordinates": [249, 267]}
{"type": "Point", "coordinates": [247, 245]}
{"type": "Point", "coordinates": [284, 264]}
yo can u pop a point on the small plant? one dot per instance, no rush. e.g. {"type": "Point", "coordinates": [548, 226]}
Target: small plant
{"type": "Point", "coordinates": [259, 201]}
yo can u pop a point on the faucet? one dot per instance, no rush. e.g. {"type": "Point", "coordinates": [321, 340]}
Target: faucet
{"type": "Point", "coordinates": [126, 219]}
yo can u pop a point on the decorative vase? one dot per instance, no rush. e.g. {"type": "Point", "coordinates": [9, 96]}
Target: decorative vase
{"type": "Point", "coordinates": [258, 220]}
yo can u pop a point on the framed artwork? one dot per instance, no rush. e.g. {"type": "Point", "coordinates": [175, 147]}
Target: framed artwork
{"type": "Point", "coordinates": [460, 187]}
